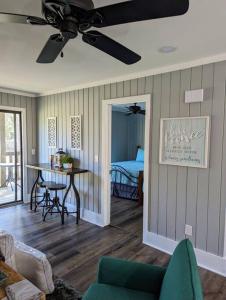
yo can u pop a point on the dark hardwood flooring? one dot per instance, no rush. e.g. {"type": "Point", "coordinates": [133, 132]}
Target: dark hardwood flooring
{"type": "Point", "coordinates": [74, 251]}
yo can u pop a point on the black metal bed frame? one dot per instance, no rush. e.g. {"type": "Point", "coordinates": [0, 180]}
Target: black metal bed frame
{"type": "Point", "coordinates": [119, 189]}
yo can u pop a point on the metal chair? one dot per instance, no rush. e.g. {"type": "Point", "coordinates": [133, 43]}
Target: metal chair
{"type": "Point", "coordinates": [55, 207]}
{"type": "Point", "coordinates": [46, 200]}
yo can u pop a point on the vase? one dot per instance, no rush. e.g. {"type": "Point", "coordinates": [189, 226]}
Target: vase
{"type": "Point", "coordinates": [67, 166]}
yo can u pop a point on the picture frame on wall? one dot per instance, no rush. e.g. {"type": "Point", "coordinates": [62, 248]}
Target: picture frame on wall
{"type": "Point", "coordinates": [76, 132]}
{"type": "Point", "coordinates": [52, 132]}
{"type": "Point", "coordinates": [185, 141]}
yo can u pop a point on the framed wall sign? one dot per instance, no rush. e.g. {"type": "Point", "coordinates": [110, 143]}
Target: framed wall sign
{"type": "Point", "coordinates": [76, 132]}
{"type": "Point", "coordinates": [52, 132]}
{"type": "Point", "coordinates": [184, 141]}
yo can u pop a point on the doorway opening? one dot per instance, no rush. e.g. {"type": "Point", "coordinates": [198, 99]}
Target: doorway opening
{"type": "Point", "coordinates": [11, 157]}
{"type": "Point", "coordinates": [127, 167]}
{"type": "Point", "coordinates": [125, 163]}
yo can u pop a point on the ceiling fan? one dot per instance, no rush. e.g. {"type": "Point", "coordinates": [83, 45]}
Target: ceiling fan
{"type": "Point", "coordinates": [71, 17]}
{"type": "Point", "coordinates": [135, 110]}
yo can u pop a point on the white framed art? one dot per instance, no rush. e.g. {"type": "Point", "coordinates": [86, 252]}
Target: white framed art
{"type": "Point", "coordinates": [184, 141]}
{"type": "Point", "coordinates": [76, 132]}
{"type": "Point", "coordinates": [52, 132]}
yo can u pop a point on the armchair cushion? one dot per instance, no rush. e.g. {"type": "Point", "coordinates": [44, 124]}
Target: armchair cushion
{"type": "Point", "coordinates": [34, 266]}
{"type": "Point", "coordinates": [108, 292]}
{"type": "Point", "coordinates": [130, 275]}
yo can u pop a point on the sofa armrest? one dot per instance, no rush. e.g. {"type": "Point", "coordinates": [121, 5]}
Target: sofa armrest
{"type": "Point", "coordinates": [34, 266]}
{"type": "Point", "coordinates": [132, 275]}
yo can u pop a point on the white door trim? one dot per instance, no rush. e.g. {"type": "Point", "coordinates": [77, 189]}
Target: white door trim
{"type": "Point", "coordinates": [24, 143]}
{"type": "Point", "coordinates": [106, 155]}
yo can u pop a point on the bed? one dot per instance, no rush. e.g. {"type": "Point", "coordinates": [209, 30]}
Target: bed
{"type": "Point", "coordinates": [127, 178]}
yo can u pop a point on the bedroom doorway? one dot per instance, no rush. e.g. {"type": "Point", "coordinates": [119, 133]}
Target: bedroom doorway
{"type": "Point", "coordinates": [127, 167]}
{"type": "Point", "coordinates": [125, 172]}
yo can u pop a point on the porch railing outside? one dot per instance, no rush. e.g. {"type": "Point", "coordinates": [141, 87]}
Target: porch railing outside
{"type": "Point", "coordinates": [9, 157]}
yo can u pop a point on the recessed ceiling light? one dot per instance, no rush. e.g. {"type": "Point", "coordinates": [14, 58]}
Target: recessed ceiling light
{"type": "Point", "coordinates": [167, 49]}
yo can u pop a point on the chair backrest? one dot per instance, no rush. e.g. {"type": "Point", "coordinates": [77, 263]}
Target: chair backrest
{"type": "Point", "coordinates": [7, 248]}
{"type": "Point", "coordinates": [182, 280]}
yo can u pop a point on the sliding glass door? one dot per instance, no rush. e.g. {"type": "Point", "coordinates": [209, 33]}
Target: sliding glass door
{"type": "Point", "coordinates": [11, 157]}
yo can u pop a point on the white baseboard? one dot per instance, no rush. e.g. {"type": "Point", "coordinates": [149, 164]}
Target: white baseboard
{"type": "Point", "coordinates": [92, 217]}
{"type": "Point", "coordinates": [209, 261]}
{"type": "Point", "coordinates": [26, 198]}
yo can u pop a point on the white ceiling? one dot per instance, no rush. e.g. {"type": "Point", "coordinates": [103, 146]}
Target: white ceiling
{"type": "Point", "coordinates": [198, 34]}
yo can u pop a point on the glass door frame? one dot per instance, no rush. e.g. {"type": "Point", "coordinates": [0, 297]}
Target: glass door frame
{"type": "Point", "coordinates": [15, 113]}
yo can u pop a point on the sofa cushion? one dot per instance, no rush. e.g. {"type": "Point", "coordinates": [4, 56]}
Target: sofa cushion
{"type": "Point", "coordinates": [181, 280]}
{"type": "Point", "coordinates": [34, 266]}
{"type": "Point", "coordinates": [99, 291]}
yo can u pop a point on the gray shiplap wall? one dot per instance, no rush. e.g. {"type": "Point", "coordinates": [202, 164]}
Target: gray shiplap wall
{"type": "Point", "coordinates": [10, 101]}
{"type": "Point", "coordinates": [179, 195]}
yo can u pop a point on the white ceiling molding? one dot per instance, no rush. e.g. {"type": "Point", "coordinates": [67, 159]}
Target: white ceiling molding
{"type": "Point", "coordinates": [162, 70]}
{"type": "Point", "coordinates": [18, 92]}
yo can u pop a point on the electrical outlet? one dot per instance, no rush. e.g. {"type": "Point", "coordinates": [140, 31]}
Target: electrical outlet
{"type": "Point", "coordinates": [188, 230]}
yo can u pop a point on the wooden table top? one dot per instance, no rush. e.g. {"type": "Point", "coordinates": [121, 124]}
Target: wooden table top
{"type": "Point", "coordinates": [12, 277]}
{"type": "Point", "coordinates": [48, 168]}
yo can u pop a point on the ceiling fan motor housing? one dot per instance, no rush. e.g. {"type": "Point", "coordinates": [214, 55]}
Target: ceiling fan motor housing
{"type": "Point", "coordinates": [61, 14]}
{"type": "Point", "coordinates": [69, 28]}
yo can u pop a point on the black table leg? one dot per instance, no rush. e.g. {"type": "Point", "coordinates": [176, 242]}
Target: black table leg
{"type": "Point", "coordinates": [71, 184]}
{"type": "Point", "coordinates": [77, 201]}
{"type": "Point", "coordinates": [34, 187]}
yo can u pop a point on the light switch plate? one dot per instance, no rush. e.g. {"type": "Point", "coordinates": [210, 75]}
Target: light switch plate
{"type": "Point", "coordinates": [33, 151]}
{"type": "Point", "coordinates": [188, 230]}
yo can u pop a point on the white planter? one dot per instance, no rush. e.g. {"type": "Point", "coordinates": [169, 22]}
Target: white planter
{"type": "Point", "coordinates": [67, 166]}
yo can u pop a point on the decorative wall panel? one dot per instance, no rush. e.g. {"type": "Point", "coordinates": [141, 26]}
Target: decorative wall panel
{"type": "Point", "coordinates": [76, 132]}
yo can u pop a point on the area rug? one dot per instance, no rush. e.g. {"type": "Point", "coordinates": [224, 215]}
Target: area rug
{"type": "Point", "coordinates": [63, 291]}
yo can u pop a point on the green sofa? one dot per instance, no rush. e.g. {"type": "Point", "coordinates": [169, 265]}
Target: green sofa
{"type": "Point", "coordinates": [124, 280]}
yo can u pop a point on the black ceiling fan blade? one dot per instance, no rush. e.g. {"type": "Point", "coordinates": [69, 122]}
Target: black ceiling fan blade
{"type": "Point", "coordinates": [52, 49]}
{"type": "Point", "coordinates": [138, 10]}
{"type": "Point", "coordinates": [141, 112]}
{"type": "Point", "coordinates": [111, 47]}
{"type": "Point", "coordinates": [21, 19]}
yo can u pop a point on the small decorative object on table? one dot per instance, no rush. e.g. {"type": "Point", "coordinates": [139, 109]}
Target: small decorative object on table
{"type": "Point", "coordinates": [67, 161]}
{"type": "Point", "coordinates": [58, 158]}
{"type": "Point", "coordinates": [52, 160]}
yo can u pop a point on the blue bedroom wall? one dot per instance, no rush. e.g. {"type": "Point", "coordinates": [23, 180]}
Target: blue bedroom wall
{"type": "Point", "coordinates": [127, 134]}
{"type": "Point", "coordinates": [119, 147]}
{"type": "Point", "coordinates": [136, 130]}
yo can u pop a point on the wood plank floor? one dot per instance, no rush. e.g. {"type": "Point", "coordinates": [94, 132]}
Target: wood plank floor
{"type": "Point", "coordinates": [74, 250]}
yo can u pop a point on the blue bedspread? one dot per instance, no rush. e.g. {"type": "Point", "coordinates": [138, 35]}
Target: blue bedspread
{"type": "Point", "coordinates": [132, 167]}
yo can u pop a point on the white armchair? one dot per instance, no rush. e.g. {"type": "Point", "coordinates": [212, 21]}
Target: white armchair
{"type": "Point", "coordinates": [29, 262]}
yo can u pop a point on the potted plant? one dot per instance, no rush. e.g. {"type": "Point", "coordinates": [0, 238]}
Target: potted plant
{"type": "Point", "coordinates": [67, 161]}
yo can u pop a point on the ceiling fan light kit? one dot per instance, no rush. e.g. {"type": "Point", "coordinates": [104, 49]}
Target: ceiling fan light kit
{"type": "Point", "coordinates": [73, 17]}
{"type": "Point", "coordinates": [135, 110]}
